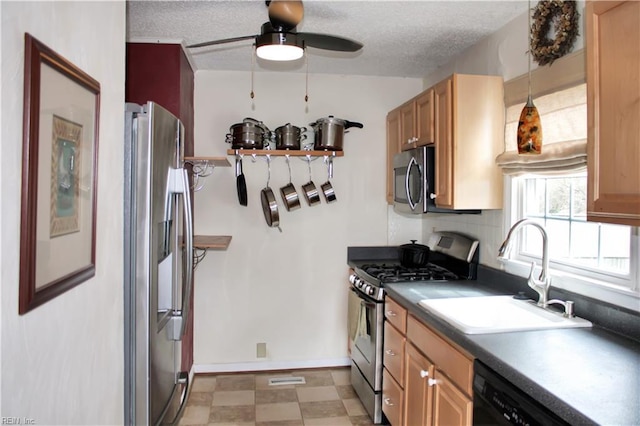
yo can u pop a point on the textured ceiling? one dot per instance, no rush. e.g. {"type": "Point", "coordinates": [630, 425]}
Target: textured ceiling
{"type": "Point", "coordinates": [401, 38]}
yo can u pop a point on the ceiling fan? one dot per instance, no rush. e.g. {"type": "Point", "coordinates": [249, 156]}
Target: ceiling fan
{"type": "Point", "coordinates": [278, 39]}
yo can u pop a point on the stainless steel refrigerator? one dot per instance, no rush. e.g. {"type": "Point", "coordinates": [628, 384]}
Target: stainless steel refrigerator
{"type": "Point", "coordinates": [158, 260]}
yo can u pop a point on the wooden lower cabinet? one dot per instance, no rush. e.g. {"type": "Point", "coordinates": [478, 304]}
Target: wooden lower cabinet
{"type": "Point", "coordinates": [418, 407]}
{"type": "Point", "coordinates": [392, 399]}
{"type": "Point", "coordinates": [450, 405]}
{"type": "Point", "coordinates": [432, 384]}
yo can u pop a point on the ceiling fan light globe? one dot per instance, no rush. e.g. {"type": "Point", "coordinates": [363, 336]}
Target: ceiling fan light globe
{"type": "Point", "coordinates": [279, 52]}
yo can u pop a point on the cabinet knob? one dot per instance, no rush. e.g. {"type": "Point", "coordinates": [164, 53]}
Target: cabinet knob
{"type": "Point", "coordinates": [432, 382]}
{"type": "Point", "coordinates": [432, 196]}
{"type": "Point", "coordinates": [391, 314]}
{"type": "Point", "coordinates": [388, 402]}
{"type": "Point", "coordinates": [424, 373]}
{"type": "Point", "coordinates": [390, 352]}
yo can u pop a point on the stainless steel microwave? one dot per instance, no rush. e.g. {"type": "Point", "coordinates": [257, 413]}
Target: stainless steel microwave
{"type": "Point", "coordinates": [414, 182]}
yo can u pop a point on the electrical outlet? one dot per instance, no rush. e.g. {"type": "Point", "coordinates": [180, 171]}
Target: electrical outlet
{"type": "Point", "coordinates": [261, 350]}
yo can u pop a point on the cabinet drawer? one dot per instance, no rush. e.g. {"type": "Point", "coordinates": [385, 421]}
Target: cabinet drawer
{"type": "Point", "coordinates": [393, 357]}
{"type": "Point", "coordinates": [392, 399]}
{"type": "Point", "coordinates": [396, 315]}
{"type": "Point", "coordinates": [447, 358]}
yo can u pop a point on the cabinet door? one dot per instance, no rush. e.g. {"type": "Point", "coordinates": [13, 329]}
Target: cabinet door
{"type": "Point", "coordinates": [613, 108]}
{"type": "Point", "coordinates": [392, 399]}
{"type": "Point", "coordinates": [417, 392]}
{"type": "Point", "coordinates": [407, 126]}
{"type": "Point", "coordinates": [394, 346]}
{"type": "Point", "coordinates": [450, 405]}
{"type": "Point", "coordinates": [443, 120]}
{"type": "Point", "coordinates": [393, 147]}
{"type": "Point", "coordinates": [424, 113]}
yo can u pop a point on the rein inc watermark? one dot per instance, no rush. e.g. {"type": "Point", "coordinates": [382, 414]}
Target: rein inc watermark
{"type": "Point", "coordinates": [17, 421]}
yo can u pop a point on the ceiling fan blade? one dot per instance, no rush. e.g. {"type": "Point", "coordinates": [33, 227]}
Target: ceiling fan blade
{"type": "Point", "coordinates": [285, 13]}
{"type": "Point", "coordinates": [329, 42]}
{"type": "Point", "coordinates": [222, 41]}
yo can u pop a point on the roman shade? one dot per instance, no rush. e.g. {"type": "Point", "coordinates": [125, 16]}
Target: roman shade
{"type": "Point", "coordinates": [560, 96]}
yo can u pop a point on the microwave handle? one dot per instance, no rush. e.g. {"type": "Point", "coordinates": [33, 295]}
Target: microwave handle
{"type": "Point", "coordinates": [406, 183]}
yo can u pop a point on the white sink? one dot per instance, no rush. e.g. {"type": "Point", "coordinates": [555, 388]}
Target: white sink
{"type": "Point", "coordinates": [497, 314]}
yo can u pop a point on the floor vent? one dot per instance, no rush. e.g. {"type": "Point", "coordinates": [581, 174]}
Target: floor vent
{"type": "Point", "coordinates": [277, 381]}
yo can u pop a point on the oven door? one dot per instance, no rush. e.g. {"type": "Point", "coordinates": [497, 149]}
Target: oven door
{"type": "Point", "coordinates": [409, 181]}
{"type": "Point", "coordinates": [365, 337]}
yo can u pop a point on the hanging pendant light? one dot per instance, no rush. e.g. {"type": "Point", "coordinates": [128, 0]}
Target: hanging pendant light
{"type": "Point", "coordinates": [529, 125]}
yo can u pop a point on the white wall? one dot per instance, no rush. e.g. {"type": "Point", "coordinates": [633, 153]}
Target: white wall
{"type": "Point", "coordinates": [502, 53]}
{"type": "Point", "coordinates": [288, 289]}
{"type": "Point", "coordinates": [62, 363]}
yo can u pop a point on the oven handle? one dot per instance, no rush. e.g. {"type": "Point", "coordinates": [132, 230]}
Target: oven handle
{"type": "Point", "coordinates": [363, 297]}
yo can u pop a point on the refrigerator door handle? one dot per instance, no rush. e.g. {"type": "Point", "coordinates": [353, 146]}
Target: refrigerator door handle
{"type": "Point", "coordinates": [179, 181]}
{"type": "Point", "coordinates": [182, 379]}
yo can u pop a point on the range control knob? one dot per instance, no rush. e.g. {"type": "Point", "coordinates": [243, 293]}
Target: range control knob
{"type": "Point", "coordinates": [371, 290]}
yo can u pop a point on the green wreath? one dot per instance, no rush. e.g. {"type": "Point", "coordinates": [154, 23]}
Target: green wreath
{"type": "Point", "coordinates": [563, 17]}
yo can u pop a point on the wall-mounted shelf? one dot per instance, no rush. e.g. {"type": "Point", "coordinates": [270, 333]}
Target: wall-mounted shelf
{"type": "Point", "coordinates": [285, 152]}
{"type": "Point", "coordinates": [203, 243]}
{"type": "Point", "coordinates": [211, 242]}
{"type": "Point", "coordinates": [212, 161]}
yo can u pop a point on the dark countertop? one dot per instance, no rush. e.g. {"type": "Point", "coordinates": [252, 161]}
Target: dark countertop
{"type": "Point", "coordinates": [585, 376]}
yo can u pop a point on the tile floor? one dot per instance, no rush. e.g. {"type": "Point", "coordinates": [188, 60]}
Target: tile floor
{"type": "Point", "coordinates": [326, 398]}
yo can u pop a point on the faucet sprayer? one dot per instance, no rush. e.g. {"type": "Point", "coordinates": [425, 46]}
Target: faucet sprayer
{"type": "Point", "coordinates": [542, 284]}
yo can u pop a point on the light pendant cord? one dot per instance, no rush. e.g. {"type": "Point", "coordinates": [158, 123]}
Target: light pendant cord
{"type": "Point", "coordinates": [306, 82]}
{"type": "Point", "coordinates": [253, 63]}
{"type": "Point", "coordinates": [529, 100]}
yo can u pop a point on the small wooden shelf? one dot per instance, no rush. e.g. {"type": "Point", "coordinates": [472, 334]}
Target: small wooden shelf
{"type": "Point", "coordinates": [213, 161]}
{"type": "Point", "coordinates": [284, 152]}
{"type": "Point", "coordinates": [211, 242]}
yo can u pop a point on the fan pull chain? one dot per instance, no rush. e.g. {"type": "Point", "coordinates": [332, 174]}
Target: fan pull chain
{"type": "Point", "coordinates": [253, 63]}
{"type": "Point", "coordinates": [306, 82]}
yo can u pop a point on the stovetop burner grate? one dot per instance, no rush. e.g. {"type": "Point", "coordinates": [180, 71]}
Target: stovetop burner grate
{"type": "Point", "coordinates": [390, 273]}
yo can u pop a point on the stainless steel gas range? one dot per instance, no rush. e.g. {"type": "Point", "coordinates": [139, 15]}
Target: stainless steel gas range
{"type": "Point", "coordinates": [452, 256]}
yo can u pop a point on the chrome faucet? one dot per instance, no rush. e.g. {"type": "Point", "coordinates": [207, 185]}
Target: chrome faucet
{"type": "Point", "coordinates": [540, 285]}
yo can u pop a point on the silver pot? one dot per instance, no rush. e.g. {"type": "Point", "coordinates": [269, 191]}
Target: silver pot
{"type": "Point", "coordinates": [250, 134]}
{"type": "Point", "coordinates": [329, 132]}
{"type": "Point", "coordinates": [289, 136]}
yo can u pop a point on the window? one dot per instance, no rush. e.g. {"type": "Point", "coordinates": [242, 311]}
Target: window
{"type": "Point", "coordinates": [575, 245]}
{"type": "Point", "coordinates": [595, 259]}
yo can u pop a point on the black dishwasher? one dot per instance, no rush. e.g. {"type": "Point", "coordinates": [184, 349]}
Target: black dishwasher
{"type": "Point", "coordinates": [498, 402]}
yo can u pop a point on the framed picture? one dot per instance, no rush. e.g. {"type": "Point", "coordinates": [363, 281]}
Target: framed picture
{"type": "Point", "coordinates": [59, 176]}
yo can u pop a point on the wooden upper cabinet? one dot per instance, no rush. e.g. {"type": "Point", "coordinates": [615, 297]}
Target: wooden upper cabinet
{"type": "Point", "coordinates": [469, 135]}
{"type": "Point", "coordinates": [393, 147]}
{"type": "Point", "coordinates": [161, 72]}
{"type": "Point", "coordinates": [424, 118]}
{"type": "Point", "coordinates": [416, 121]}
{"type": "Point", "coordinates": [613, 110]}
{"type": "Point", "coordinates": [444, 143]}
{"type": "Point", "coordinates": [407, 126]}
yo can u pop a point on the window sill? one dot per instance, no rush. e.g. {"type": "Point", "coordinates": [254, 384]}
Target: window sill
{"type": "Point", "coordinates": [595, 289]}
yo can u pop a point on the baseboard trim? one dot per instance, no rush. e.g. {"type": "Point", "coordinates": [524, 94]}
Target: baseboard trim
{"type": "Point", "coordinates": [270, 365]}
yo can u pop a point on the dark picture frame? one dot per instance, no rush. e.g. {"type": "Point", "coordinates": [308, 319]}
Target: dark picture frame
{"type": "Point", "coordinates": [59, 176]}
